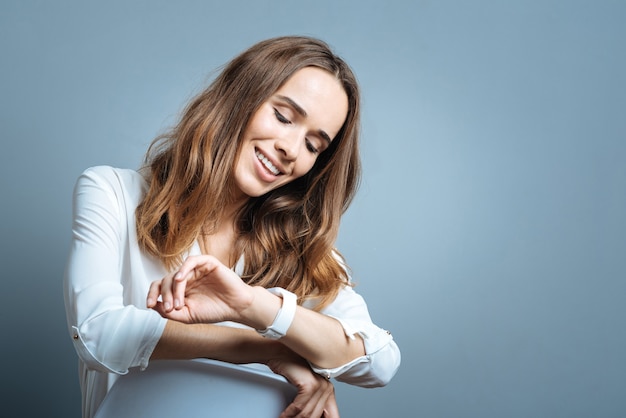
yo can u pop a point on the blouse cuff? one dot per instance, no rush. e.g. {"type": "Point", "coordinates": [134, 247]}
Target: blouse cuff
{"type": "Point", "coordinates": [116, 352]}
{"type": "Point", "coordinates": [150, 344]}
{"type": "Point", "coordinates": [338, 371]}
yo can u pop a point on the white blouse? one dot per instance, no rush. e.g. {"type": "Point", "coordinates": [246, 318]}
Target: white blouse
{"type": "Point", "coordinates": [107, 279]}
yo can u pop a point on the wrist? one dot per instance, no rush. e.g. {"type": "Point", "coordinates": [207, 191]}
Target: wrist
{"type": "Point", "coordinates": [262, 310]}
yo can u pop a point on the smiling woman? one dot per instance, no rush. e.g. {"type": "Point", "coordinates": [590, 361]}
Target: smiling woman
{"type": "Point", "coordinates": [222, 245]}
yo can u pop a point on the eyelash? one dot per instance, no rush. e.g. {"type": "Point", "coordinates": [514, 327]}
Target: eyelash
{"type": "Point", "coordinates": [284, 120]}
{"type": "Point", "coordinates": [310, 147]}
{"type": "Point", "coordinates": [281, 118]}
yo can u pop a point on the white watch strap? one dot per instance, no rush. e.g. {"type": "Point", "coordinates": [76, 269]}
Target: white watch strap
{"type": "Point", "coordinates": [284, 317]}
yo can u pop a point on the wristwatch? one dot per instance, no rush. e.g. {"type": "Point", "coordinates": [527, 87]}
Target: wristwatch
{"type": "Point", "coordinates": [284, 317]}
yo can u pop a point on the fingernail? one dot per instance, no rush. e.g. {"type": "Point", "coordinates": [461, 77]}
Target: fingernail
{"type": "Point", "coordinates": [149, 302]}
{"type": "Point", "coordinates": [176, 303]}
{"type": "Point", "coordinates": [167, 306]}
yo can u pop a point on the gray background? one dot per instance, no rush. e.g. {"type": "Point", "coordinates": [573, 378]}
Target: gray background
{"type": "Point", "coordinates": [489, 232]}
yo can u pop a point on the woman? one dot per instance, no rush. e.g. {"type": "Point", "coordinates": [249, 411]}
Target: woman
{"type": "Point", "coordinates": [245, 194]}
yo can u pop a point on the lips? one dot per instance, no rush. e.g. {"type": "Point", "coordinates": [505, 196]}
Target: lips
{"type": "Point", "coordinates": [267, 163]}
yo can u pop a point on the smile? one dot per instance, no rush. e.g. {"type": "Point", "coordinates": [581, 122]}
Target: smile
{"type": "Point", "coordinates": [267, 163]}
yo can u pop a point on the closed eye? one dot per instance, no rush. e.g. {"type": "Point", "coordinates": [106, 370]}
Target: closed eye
{"type": "Point", "coordinates": [281, 118]}
{"type": "Point", "coordinates": [311, 147]}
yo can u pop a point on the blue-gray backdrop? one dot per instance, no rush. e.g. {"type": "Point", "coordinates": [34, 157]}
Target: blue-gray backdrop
{"type": "Point", "coordinates": [489, 233]}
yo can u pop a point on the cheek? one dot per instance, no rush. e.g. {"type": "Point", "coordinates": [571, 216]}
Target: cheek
{"type": "Point", "coordinates": [304, 166]}
{"type": "Point", "coordinates": [260, 125]}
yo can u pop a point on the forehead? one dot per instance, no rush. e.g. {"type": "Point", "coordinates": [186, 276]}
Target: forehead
{"type": "Point", "coordinates": [320, 94]}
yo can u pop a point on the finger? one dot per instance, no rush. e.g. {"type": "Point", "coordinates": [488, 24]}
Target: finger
{"type": "Point", "coordinates": [159, 308]}
{"type": "Point", "coordinates": [176, 315]}
{"type": "Point", "coordinates": [167, 297]}
{"type": "Point", "coordinates": [204, 264]}
{"type": "Point", "coordinates": [302, 406]}
{"type": "Point", "coordinates": [153, 294]}
{"type": "Point", "coordinates": [190, 264]}
{"type": "Point", "coordinates": [308, 403]}
{"type": "Point", "coordinates": [325, 402]}
{"type": "Point", "coordinates": [331, 410]}
{"type": "Point", "coordinates": [179, 285]}
{"type": "Point", "coordinates": [187, 267]}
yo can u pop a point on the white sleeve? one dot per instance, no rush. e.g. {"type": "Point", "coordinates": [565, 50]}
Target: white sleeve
{"type": "Point", "coordinates": [108, 333]}
{"type": "Point", "coordinates": [382, 355]}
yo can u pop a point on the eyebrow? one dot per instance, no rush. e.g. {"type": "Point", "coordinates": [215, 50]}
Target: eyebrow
{"type": "Point", "coordinates": [303, 113]}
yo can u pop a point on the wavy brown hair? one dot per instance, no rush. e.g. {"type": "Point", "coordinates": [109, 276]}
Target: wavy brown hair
{"type": "Point", "coordinates": [285, 236]}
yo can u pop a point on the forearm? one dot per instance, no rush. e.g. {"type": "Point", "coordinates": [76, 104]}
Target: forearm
{"type": "Point", "coordinates": [233, 345]}
{"type": "Point", "coordinates": [321, 340]}
{"type": "Point", "coordinates": [318, 338]}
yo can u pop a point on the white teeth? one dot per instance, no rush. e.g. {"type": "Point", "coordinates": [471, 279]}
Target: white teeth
{"type": "Point", "coordinates": [267, 163]}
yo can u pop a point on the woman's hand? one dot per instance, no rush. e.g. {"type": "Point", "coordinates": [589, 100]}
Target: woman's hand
{"type": "Point", "coordinates": [316, 395]}
{"type": "Point", "coordinates": [203, 290]}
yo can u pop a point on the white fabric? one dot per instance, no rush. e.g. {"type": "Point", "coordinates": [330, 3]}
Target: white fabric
{"type": "Point", "coordinates": [197, 388]}
{"type": "Point", "coordinates": [107, 279]}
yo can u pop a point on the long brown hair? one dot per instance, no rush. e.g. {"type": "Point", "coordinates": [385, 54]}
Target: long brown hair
{"type": "Point", "coordinates": [285, 236]}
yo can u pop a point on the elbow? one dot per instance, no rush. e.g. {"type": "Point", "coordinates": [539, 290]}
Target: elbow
{"type": "Point", "coordinates": [385, 367]}
{"type": "Point", "coordinates": [378, 371]}
{"type": "Point", "coordinates": [383, 377]}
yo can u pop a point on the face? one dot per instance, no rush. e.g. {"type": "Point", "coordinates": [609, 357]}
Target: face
{"type": "Point", "coordinates": [289, 131]}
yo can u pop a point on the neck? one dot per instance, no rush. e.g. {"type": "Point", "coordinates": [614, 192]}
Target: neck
{"type": "Point", "coordinates": [230, 210]}
{"type": "Point", "coordinates": [227, 220]}
{"type": "Point", "coordinates": [219, 240]}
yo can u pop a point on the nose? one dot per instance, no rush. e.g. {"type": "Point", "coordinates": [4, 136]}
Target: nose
{"type": "Point", "coordinates": [289, 146]}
